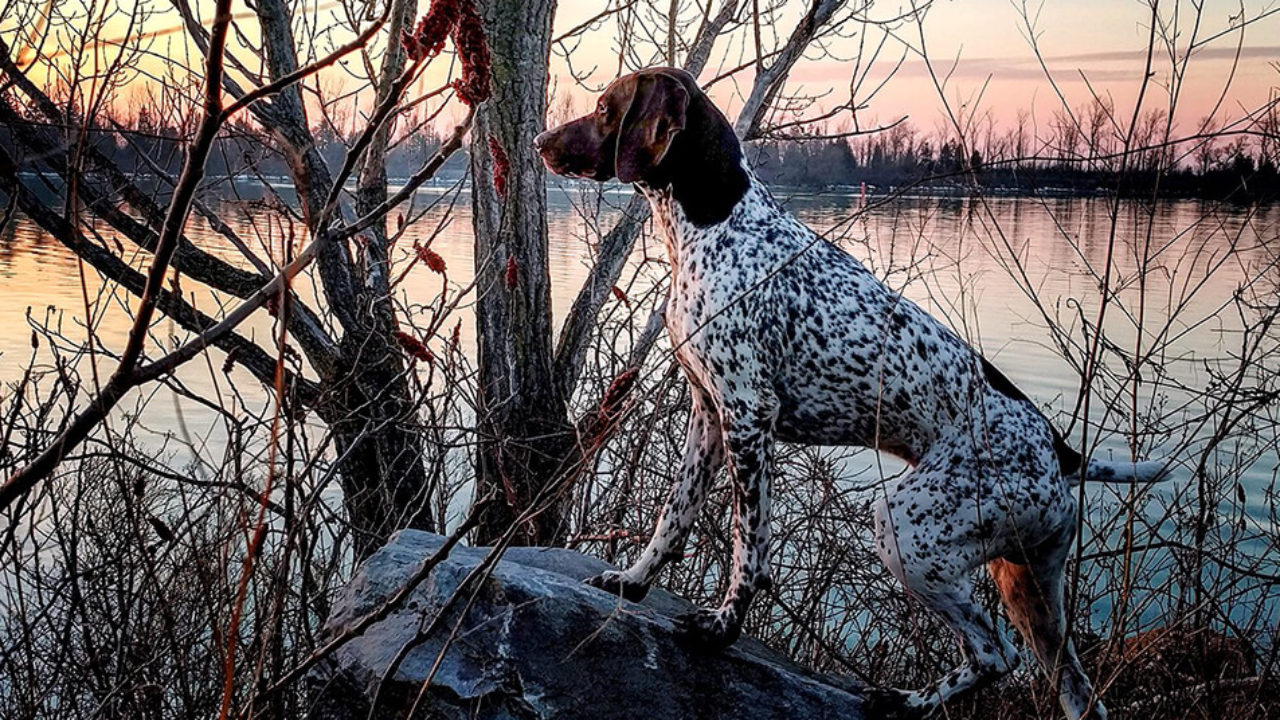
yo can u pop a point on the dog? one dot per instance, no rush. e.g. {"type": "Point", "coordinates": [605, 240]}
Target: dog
{"type": "Point", "coordinates": [784, 337]}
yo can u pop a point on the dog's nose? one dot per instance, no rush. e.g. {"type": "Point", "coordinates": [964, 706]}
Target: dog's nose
{"type": "Point", "coordinates": [540, 141]}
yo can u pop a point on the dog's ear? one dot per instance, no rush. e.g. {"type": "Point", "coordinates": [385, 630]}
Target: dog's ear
{"type": "Point", "coordinates": [654, 115]}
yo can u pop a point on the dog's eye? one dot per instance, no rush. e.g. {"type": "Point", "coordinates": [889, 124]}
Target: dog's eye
{"type": "Point", "coordinates": [602, 109]}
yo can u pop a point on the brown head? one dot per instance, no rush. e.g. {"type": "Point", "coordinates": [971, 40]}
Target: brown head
{"type": "Point", "coordinates": [658, 128]}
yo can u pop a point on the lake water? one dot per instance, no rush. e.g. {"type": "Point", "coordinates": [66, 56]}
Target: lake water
{"type": "Point", "coordinates": [999, 271]}
{"type": "Point", "coordinates": [974, 263]}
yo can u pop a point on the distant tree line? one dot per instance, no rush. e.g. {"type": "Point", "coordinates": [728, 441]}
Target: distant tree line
{"type": "Point", "coordinates": [1076, 158]}
{"type": "Point", "coordinates": [145, 144]}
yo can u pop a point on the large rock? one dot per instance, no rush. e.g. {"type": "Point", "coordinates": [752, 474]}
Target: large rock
{"type": "Point", "coordinates": [537, 643]}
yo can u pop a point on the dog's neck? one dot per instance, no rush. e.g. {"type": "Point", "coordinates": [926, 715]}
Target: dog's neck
{"type": "Point", "coordinates": [673, 227]}
{"type": "Point", "coordinates": [679, 233]}
{"type": "Point", "coordinates": [702, 170]}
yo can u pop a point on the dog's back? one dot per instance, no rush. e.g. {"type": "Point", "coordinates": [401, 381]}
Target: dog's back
{"type": "Point", "coordinates": [851, 361]}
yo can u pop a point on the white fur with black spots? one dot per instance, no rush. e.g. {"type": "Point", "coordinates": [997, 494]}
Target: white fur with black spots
{"type": "Point", "coordinates": [784, 336]}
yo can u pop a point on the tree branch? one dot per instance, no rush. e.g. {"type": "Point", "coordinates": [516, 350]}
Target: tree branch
{"type": "Point", "coordinates": [122, 379]}
{"type": "Point", "coordinates": [247, 353]}
{"type": "Point", "coordinates": [310, 174]}
{"type": "Point", "coordinates": [188, 258]}
{"type": "Point", "coordinates": [770, 80]}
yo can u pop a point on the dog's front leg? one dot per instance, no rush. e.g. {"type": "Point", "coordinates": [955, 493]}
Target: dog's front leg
{"type": "Point", "coordinates": [748, 428]}
{"type": "Point", "coordinates": [703, 458]}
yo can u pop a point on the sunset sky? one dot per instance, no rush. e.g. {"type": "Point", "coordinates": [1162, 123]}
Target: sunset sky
{"type": "Point", "coordinates": [986, 42]}
{"type": "Point", "coordinates": [1102, 40]}
{"type": "Point", "coordinates": [983, 47]}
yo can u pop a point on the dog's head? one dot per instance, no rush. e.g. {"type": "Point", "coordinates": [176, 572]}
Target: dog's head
{"type": "Point", "coordinates": [655, 127]}
{"type": "Point", "coordinates": [635, 122]}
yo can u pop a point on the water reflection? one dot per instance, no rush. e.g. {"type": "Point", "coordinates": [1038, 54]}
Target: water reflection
{"type": "Point", "coordinates": [997, 271]}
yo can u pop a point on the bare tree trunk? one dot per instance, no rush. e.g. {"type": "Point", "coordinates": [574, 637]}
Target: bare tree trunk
{"type": "Point", "coordinates": [380, 447]}
{"type": "Point", "coordinates": [390, 459]}
{"type": "Point", "coordinates": [524, 427]}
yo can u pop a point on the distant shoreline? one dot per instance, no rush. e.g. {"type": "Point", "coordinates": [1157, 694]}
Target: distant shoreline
{"type": "Point", "coordinates": [903, 187]}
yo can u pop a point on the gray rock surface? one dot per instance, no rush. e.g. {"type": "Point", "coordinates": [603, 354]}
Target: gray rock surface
{"type": "Point", "coordinates": [537, 643]}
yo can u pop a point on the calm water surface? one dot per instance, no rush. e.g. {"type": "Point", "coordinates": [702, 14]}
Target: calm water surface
{"type": "Point", "coordinates": [998, 272]}
{"type": "Point", "coordinates": [976, 265]}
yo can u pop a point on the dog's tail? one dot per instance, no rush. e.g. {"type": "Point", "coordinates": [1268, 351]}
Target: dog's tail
{"type": "Point", "coordinates": [1122, 472]}
{"type": "Point", "coordinates": [1143, 472]}
{"type": "Point", "coordinates": [1070, 461]}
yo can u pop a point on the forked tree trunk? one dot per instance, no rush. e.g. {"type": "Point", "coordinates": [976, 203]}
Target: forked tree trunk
{"type": "Point", "coordinates": [379, 447]}
{"type": "Point", "coordinates": [524, 427]}
{"type": "Point", "coordinates": [388, 459]}
{"type": "Point", "coordinates": [369, 402]}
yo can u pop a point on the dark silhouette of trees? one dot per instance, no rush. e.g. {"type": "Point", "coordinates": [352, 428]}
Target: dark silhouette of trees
{"type": "Point", "coordinates": [1069, 162]}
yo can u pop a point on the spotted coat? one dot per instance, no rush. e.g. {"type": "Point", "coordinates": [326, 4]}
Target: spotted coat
{"type": "Point", "coordinates": [785, 337]}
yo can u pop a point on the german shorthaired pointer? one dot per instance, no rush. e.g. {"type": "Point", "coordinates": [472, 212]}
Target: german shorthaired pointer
{"type": "Point", "coordinates": [783, 336]}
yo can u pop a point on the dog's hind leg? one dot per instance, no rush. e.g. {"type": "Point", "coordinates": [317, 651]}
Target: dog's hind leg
{"type": "Point", "coordinates": [986, 654]}
{"type": "Point", "coordinates": [1032, 595]}
{"type": "Point", "coordinates": [703, 458]}
{"type": "Point", "coordinates": [937, 570]}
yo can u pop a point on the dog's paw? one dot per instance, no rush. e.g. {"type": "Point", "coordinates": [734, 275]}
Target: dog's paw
{"type": "Point", "coordinates": [891, 704]}
{"type": "Point", "coordinates": [612, 581]}
{"type": "Point", "coordinates": [707, 630]}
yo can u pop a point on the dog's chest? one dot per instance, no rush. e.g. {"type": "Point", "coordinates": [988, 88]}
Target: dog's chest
{"type": "Point", "coordinates": [700, 307]}
{"type": "Point", "coordinates": [693, 314]}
